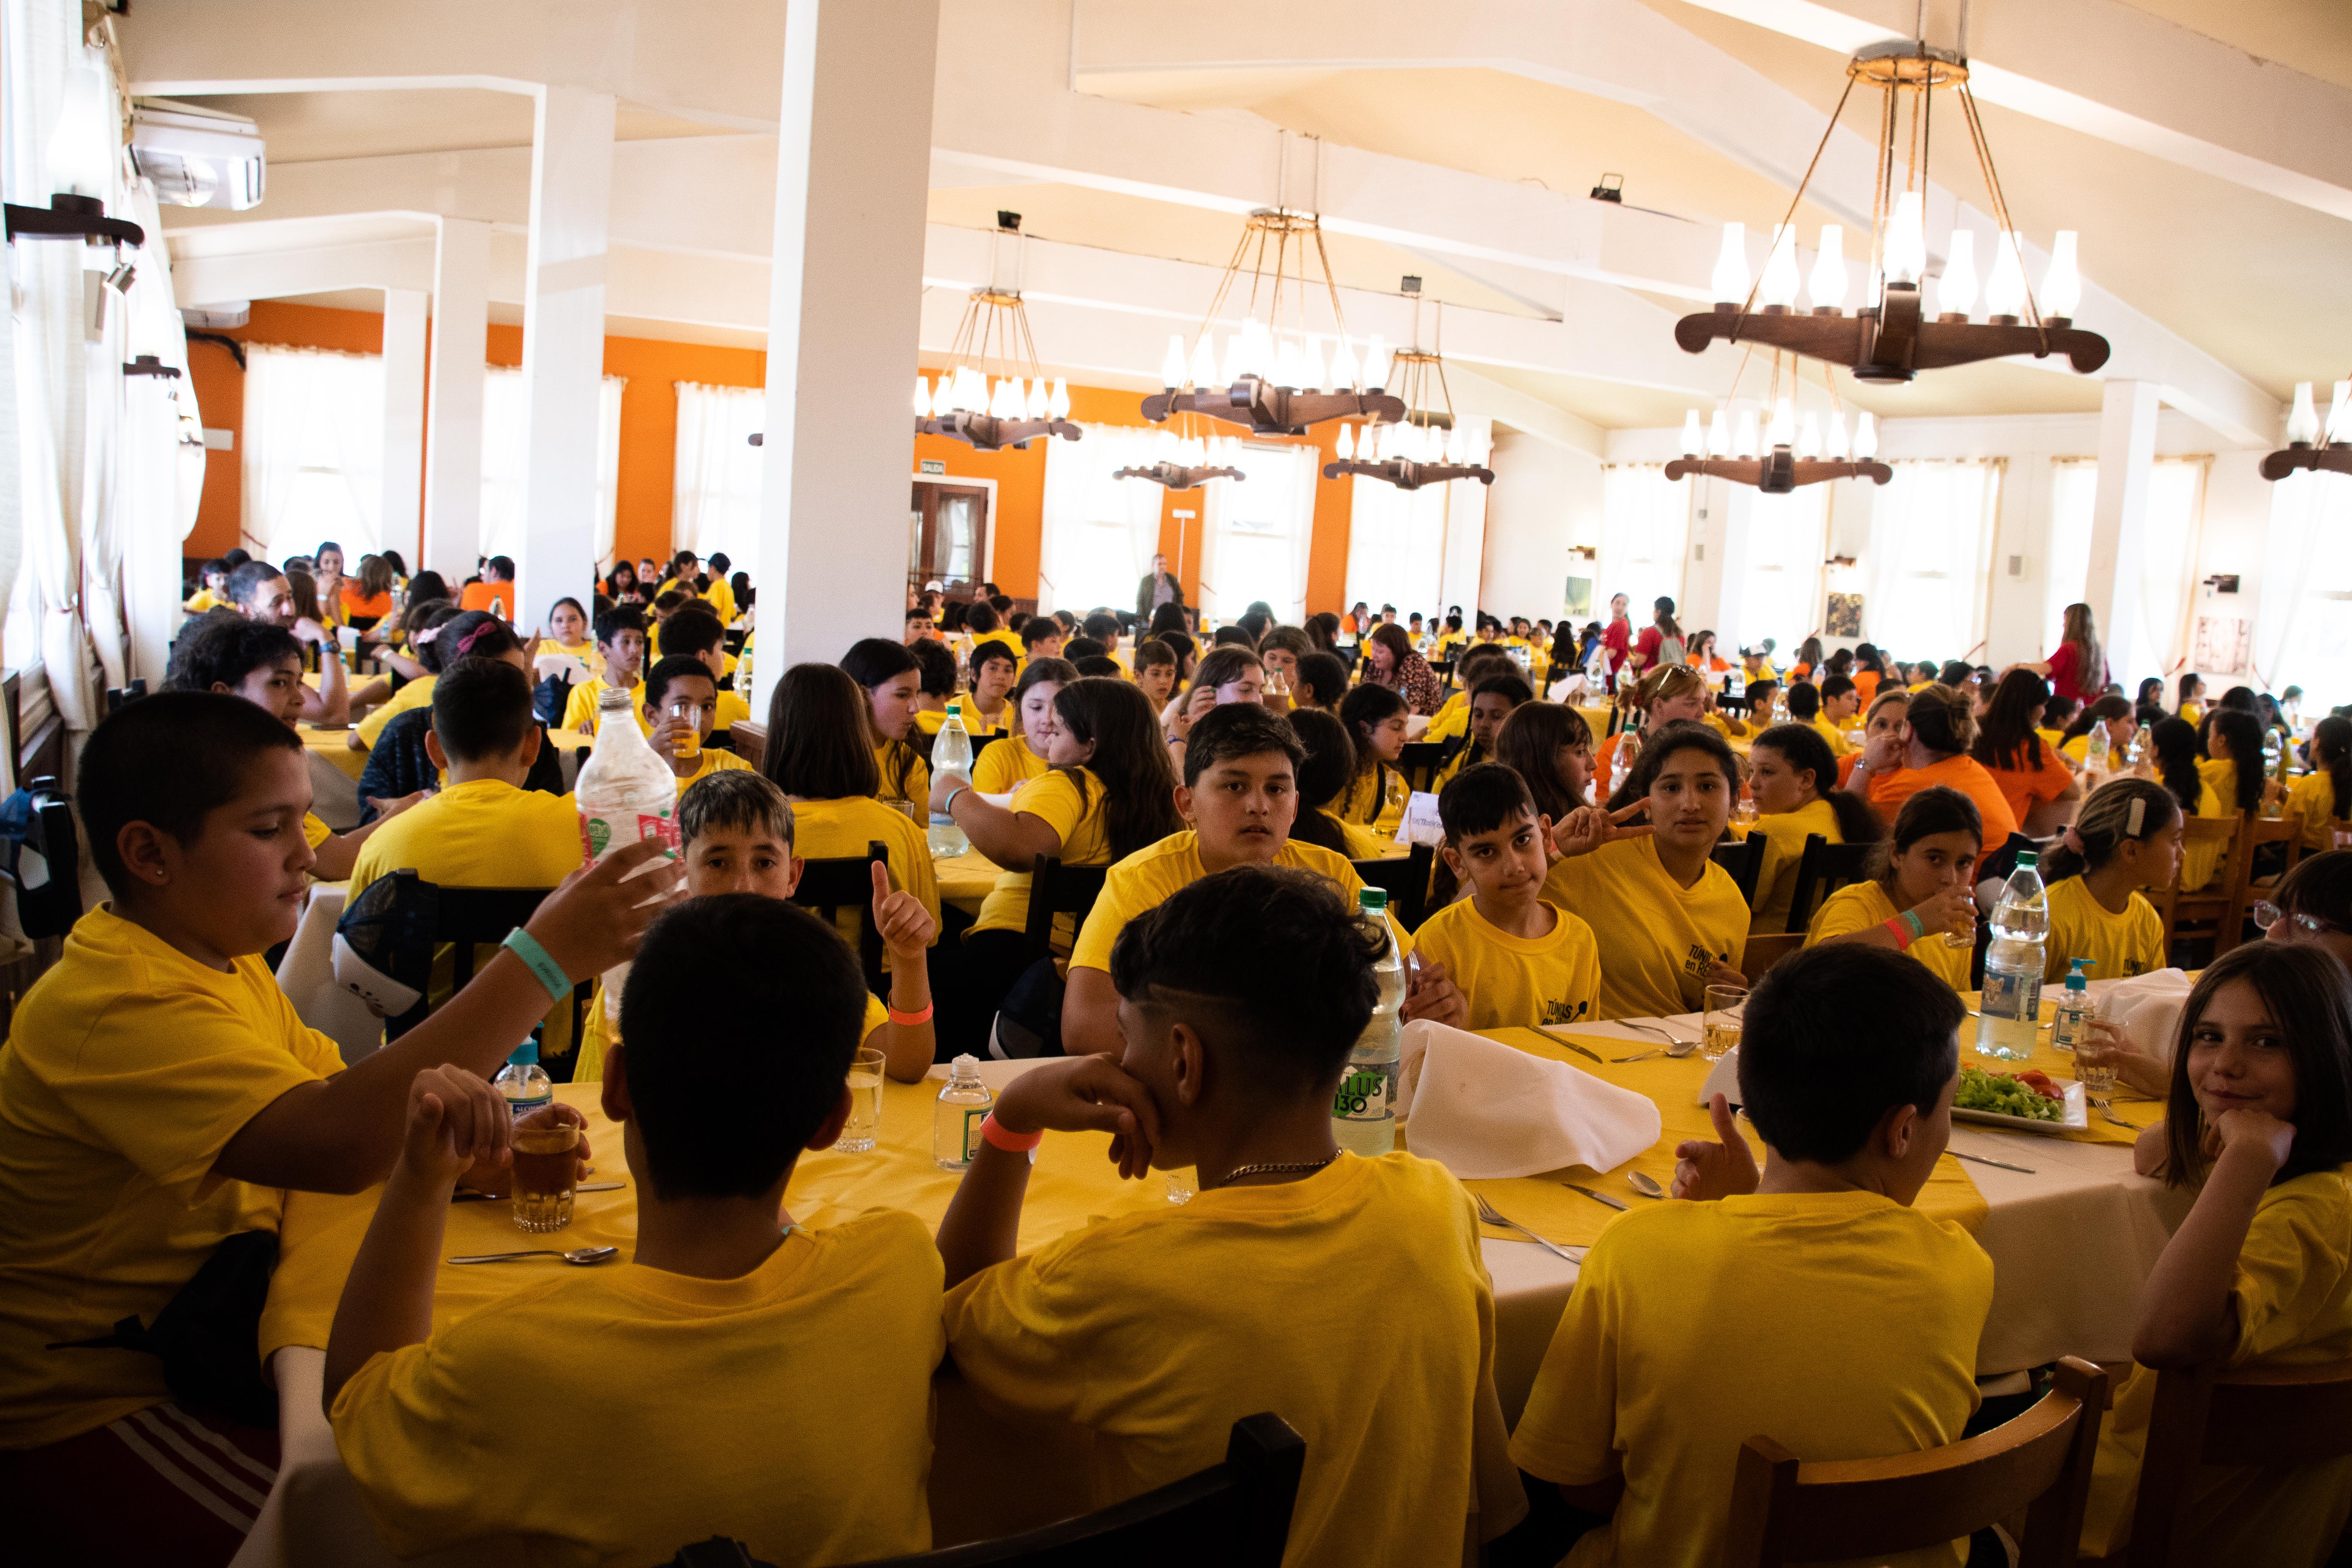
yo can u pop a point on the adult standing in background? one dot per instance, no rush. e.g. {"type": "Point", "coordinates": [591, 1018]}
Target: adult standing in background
{"type": "Point", "coordinates": [1661, 642]}
{"type": "Point", "coordinates": [1619, 638]}
{"type": "Point", "coordinates": [2077, 667]}
{"type": "Point", "coordinates": [1159, 588]}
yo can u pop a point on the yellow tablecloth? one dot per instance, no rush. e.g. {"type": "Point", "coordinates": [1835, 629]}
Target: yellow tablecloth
{"type": "Point", "coordinates": [335, 746]}
{"type": "Point", "coordinates": [965, 879]}
{"type": "Point", "coordinates": [2059, 1065]}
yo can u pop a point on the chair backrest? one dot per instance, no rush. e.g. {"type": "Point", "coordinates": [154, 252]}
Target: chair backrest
{"type": "Point", "coordinates": [51, 909]}
{"type": "Point", "coordinates": [1421, 760]}
{"type": "Point", "coordinates": [1744, 858]}
{"type": "Point", "coordinates": [844, 882]}
{"type": "Point", "coordinates": [2179, 908]}
{"type": "Point", "coordinates": [1058, 889]}
{"type": "Point", "coordinates": [2203, 1416]}
{"type": "Point", "coordinates": [1784, 1510]}
{"type": "Point", "coordinates": [2339, 833]}
{"type": "Point", "coordinates": [1405, 880]}
{"type": "Point", "coordinates": [1765, 950]}
{"type": "Point", "coordinates": [1821, 870]}
{"type": "Point", "coordinates": [1235, 1514]}
{"type": "Point", "coordinates": [467, 918]}
{"type": "Point", "coordinates": [2261, 833]}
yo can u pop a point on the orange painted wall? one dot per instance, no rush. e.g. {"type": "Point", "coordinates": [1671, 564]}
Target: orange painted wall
{"type": "Point", "coordinates": [649, 436]}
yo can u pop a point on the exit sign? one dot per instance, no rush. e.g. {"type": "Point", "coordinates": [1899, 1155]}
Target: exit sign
{"type": "Point", "coordinates": [934, 466]}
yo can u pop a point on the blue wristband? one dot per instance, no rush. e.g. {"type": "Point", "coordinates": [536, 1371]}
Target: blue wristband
{"type": "Point", "coordinates": [525, 946]}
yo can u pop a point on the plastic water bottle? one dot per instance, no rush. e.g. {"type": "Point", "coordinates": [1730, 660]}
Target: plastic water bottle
{"type": "Point", "coordinates": [2013, 979]}
{"type": "Point", "coordinates": [625, 793]}
{"type": "Point", "coordinates": [1629, 752]}
{"type": "Point", "coordinates": [524, 1082]}
{"type": "Point", "coordinates": [962, 1107]}
{"type": "Point", "coordinates": [950, 756]}
{"type": "Point", "coordinates": [2067, 1031]}
{"type": "Point", "coordinates": [2135, 757]}
{"type": "Point", "coordinates": [2095, 751]}
{"type": "Point", "coordinates": [1596, 672]}
{"type": "Point", "coordinates": [1363, 1113]}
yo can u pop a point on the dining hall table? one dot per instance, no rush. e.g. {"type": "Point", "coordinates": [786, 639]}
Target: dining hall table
{"type": "Point", "coordinates": [2071, 1229]}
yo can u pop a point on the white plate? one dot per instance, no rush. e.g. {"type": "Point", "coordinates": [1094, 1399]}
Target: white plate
{"type": "Point", "coordinates": [2076, 1119]}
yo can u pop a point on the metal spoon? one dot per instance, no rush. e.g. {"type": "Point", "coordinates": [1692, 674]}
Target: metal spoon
{"type": "Point", "coordinates": [582, 1257]}
{"type": "Point", "coordinates": [1647, 1185]}
{"type": "Point", "coordinates": [1679, 1050]}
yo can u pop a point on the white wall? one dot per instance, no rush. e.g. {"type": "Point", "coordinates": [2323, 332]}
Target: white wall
{"type": "Point", "coordinates": [1546, 499]}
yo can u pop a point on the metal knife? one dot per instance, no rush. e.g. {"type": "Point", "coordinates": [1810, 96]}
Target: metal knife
{"type": "Point", "coordinates": [1597, 1197]}
{"type": "Point", "coordinates": [1579, 1050]}
{"type": "Point", "coordinates": [470, 1197]}
{"type": "Point", "coordinates": [2000, 1164]}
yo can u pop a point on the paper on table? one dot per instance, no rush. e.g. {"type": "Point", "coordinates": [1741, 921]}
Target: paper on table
{"type": "Point", "coordinates": [2147, 1008]}
{"type": "Point", "coordinates": [1421, 823]}
{"type": "Point", "coordinates": [1485, 1109]}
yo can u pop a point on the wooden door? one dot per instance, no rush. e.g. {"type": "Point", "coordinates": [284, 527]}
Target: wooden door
{"type": "Point", "coordinates": [948, 536]}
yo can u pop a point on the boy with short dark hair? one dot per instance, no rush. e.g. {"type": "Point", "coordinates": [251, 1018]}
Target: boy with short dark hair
{"type": "Point", "coordinates": [259, 592]}
{"type": "Point", "coordinates": [621, 639]}
{"type": "Point", "coordinates": [1517, 959]}
{"type": "Point", "coordinates": [1042, 637]}
{"type": "Point", "coordinates": [1643, 1413]}
{"type": "Point", "coordinates": [1155, 671]}
{"type": "Point", "coordinates": [494, 592]}
{"type": "Point", "coordinates": [1841, 702]}
{"type": "Point", "coordinates": [682, 703]}
{"type": "Point", "coordinates": [1322, 681]}
{"type": "Point", "coordinates": [695, 633]}
{"type": "Point", "coordinates": [446, 1431]}
{"type": "Point", "coordinates": [937, 667]}
{"type": "Point", "coordinates": [1153, 1331]}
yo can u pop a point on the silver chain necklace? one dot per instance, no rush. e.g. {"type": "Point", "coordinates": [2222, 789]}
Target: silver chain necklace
{"type": "Point", "coordinates": [1232, 1176]}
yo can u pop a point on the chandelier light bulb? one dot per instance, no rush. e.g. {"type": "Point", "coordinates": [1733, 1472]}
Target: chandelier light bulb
{"type": "Point", "coordinates": [1866, 436]}
{"type": "Point", "coordinates": [1482, 447]}
{"type": "Point", "coordinates": [1956, 292]}
{"type": "Point", "coordinates": [1258, 349]}
{"type": "Point", "coordinates": [1457, 446]}
{"type": "Point", "coordinates": [1345, 372]}
{"type": "Point", "coordinates": [1376, 364]}
{"type": "Point", "coordinates": [1037, 400]}
{"type": "Point", "coordinates": [1289, 365]}
{"type": "Point", "coordinates": [1743, 445]}
{"type": "Point", "coordinates": [1730, 282]}
{"type": "Point", "coordinates": [1196, 452]}
{"type": "Point", "coordinates": [1905, 254]}
{"type": "Point", "coordinates": [1784, 423]}
{"type": "Point", "coordinates": [1202, 373]}
{"type": "Point", "coordinates": [1171, 369]}
{"type": "Point", "coordinates": [1344, 447]}
{"type": "Point", "coordinates": [1826, 288]}
{"type": "Point", "coordinates": [2005, 291]}
{"type": "Point", "coordinates": [942, 396]}
{"type": "Point", "coordinates": [1778, 284]}
{"type": "Point", "coordinates": [922, 395]}
{"type": "Point", "coordinates": [972, 388]}
{"type": "Point", "coordinates": [1233, 368]}
{"type": "Point", "coordinates": [2061, 286]}
{"type": "Point", "coordinates": [1836, 447]}
{"type": "Point", "coordinates": [1163, 444]}
{"type": "Point", "coordinates": [1691, 437]}
{"type": "Point", "coordinates": [2303, 420]}
{"type": "Point", "coordinates": [2339, 412]}
{"type": "Point", "coordinates": [1809, 436]}
{"type": "Point", "coordinates": [1318, 372]}
{"type": "Point", "coordinates": [1719, 433]}
{"type": "Point", "coordinates": [1057, 406]}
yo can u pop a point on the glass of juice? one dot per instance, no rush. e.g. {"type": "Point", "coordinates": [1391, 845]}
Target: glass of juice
{"type": "Point", "coordinates": [690, 744]}
{"type": "Point", "coordinates": [546, 1172]}
{"type": "Point", "coordinates": [1720, 1027]}
{"type": "Point", "coordinates": [865, 1124]}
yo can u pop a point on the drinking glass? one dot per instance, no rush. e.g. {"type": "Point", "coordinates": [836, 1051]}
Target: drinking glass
{"type": "Point", "coordinates": [546, 1173]}
{"type": "Point", "coordinates": [1955, 937]}
{"type": "Point", "coordinates": [690, 744]}
{"type": "Point", "coordinates": [1720, 1028]}
{"type": "Point", "coordinates": [1744, 814]}
{"type": "Point", "coordinates": [865, 1124]}
{"type": "Point", "coordinates": [1182, 1187]}
{"type": "Point", "coordinates": [2097, 1080]}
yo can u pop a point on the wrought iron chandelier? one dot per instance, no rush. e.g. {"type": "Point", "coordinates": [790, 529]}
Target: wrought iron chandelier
{"type": "Point", "coordinates": [992, 339]}
{"type": "Point", "coordinates": [1273, 377]}
{"type": "Point", "coordinates": [1780, 456]}
{"type": "Point", "coordinates": [2323, 448]}
{"type": "Point", "coordinates": [1889, 338]}
{"type": "Point", "coordinates": [1184, 460]}
{"type": "Point", "coordinates": [1426, 447]}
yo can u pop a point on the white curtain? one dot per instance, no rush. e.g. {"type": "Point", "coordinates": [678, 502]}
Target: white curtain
{"type": "Point", "coordinates": [1099, 533]}
{"type": "Point", "coordinates": [313, 444]}
{"type": "Point", "coordinates": [1644, 536]}
{"type": "Point", "coordinates": [715, 495]}
{"type": "Point", "coordinates": [1258, 532]}
{"type": "Point", "coordinates": [2176, 506]}
{"type": "Point", "coordinates": [1396, 545]}
{"type": "Point", "coordinates": [505, 466]}
{"type": "Point", "coordinates": [2305, 624]}
{"type": "Point", "coordinates": [1781, 597]}
{"type": "Point", "coordinates": [2074, 496]}
{"type": "Point", "coordinates": [1931, 533]}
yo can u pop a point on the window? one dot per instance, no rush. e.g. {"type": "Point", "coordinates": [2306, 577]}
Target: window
{"type": "Point", "coordinates": [2305, 619]}
{"type": "Point", "coordinates": [1644, 534]}
{"type": "Point", "coordinates": [1780, 595]}
{"type": "Point", "coordinates": [1100, 534]}
{"type": "Point", "coordinates": [2176, 506]}
{"type": "Point", "coordinates": [1256, 533]}
{"type": "Point", "coordinates": [506, 461]}
{"type": "Point", "coordinates": [1396, 546]}
{"type": "Point", "coordinates": [1930, 549]}
{"type": "Point", "coordinates": [2074, 496]}
{"type": "Point", "coordinates": [313, 451]}
{"type": "Point", "coordinates": [715, 494]}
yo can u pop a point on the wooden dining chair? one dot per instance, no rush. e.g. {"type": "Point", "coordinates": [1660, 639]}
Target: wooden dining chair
{"type": "Point", "coordinates": [1421, 761]}
{"type": "Point", "coordinates": [846, 882]}
{"type": "Point", "coordinates": [2205, 913]}
{"type": "Point", "coordinates": [1058, 889]}
{"type": "Point", "coordinates": [1744, 858]}
{"type": "Point", "coordinates": [2262, 873]}
{"type": "Point", "coordinates": [2039, 1464]}
{"type": "Point", "coordinates": [2203, 1416]}
{"type": "Point", "coordinates": [1405, 880]}
{"type": "Point", "coordinates": [1821, 870]}
{"type": "Point", "coordinates": [1763, 951]}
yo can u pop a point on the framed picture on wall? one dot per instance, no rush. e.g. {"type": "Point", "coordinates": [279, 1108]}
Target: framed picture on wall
{"type": "Point", "coordinates": [1576, 603]}
{"type": "Point", "coordinates": [1844, 618]}
{"type": "Point", "coordinates": [2222, 645]}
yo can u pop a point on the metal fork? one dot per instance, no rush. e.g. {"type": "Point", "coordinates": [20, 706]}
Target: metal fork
{"type": "Point", "coordinates": [1492, 1216]}
{"type": "Point", "coordinates": [2107, 1109]}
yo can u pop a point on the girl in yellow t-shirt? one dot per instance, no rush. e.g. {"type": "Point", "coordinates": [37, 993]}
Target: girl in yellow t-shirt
{"type": "Point", "coordinates": [1793, 778]}
{"type": "Point", "coordinates": [2127, 837]}
{"type": "Point", "coordinates": [1549, 745]}
{"type": "Point", "coordinates": [1375, 796]}
{"type": "Point", "coordinates": [1323, 778]}
{"type": "Point", "coordinates": [1924, 892]}
{"type": "Point", "coordinates": [2173, 743]}
{"type": "Point", "coordinates": [2192, 688]}
{"type": "Point", "coordinates": [2325, 793]}
{"type": "Point", "coordinates": [1495, 699]}
{"type": "Point", "coordinates": [2258, 1125]}
{"type": "Point", "coordinates": [1021, 756]}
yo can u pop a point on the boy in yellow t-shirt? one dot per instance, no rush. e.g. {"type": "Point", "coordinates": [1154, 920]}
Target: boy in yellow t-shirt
{"type": "Point", "coordinates": [158, 1095]}
{"type": "Point", "coordinates": [1641, 1415]}
{"type": "Point", "coordinates": [1517, 959]}
{"type": "Point", "coordinates": [694, 633]}
{"type": "Point", "coordinates": [681, 704]}
{"type": "Point", "coordinates": [621, 639]}
{"type": "Point", "coordinates": [445, 1429]}
{"type": "Point", "coordinates": [1153, 1331]}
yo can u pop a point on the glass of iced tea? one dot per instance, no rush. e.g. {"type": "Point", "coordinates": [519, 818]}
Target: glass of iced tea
{"type": "Point", "coordinates": [546, 1173]}
{"type": "Point", "coordinates": [857, 1133]}
{"type": "Point", "coordinates": [1720, 1023]}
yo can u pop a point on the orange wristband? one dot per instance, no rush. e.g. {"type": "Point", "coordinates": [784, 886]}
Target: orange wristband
{"type": "Point", "coordinates": [910, 1019]}
{"type": "Point", "coordinates": [1011, 1143]}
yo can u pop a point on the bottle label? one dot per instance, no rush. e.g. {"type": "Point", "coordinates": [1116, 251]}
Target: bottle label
{"type": "Point", "coordinates": [972, 1117]}
{"type": "Point", "coordinates": [596, 834]}
{"type": "Point", "coordinates": [1363, 1095]}
{"type": "Point", "coordinates": [2010, 995]}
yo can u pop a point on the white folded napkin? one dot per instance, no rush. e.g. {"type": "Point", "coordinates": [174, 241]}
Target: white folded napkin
{"type": "Point", "coordinates": [1485, 1109]}
{"type": "Point", "coordinates": [2147, 1008]}
{"type": "Point", "coordinates": [562, 664]}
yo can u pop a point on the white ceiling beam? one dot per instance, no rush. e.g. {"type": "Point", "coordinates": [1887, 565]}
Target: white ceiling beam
{"type": "Point", "coordinates": [214, 280]}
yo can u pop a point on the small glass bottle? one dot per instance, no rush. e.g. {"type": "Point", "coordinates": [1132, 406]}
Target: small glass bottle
{"type": "Point", "coordinates": [955, 1124]}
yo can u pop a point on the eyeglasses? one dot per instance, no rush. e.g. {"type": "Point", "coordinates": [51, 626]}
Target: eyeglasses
{"type": "Point", "coordinates": [2299, 927]}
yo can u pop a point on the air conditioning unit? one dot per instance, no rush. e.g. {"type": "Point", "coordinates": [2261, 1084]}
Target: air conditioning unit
{"type": "Point", "coordinates": [197, 157]}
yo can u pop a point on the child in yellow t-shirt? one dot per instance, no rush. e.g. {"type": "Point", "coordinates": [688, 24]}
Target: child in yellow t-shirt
{"type": "Point", "coordinates": [1495, 696]}
{"type": "Point", "coordinates": [1923, 900]}
{"type": "Point", "coordinates": [1825, 1233]}
{"type": "Point", "coordinates": [443, 1427]}
{"type": "Point", "coordinates": [2325, 794]}
{"type": "Point", "coordinates": [2127, 837]}
{"type": "Point", "coordinates": [1517, 959]}
{"type": "Point", "coordinates": [1376, 796]}
{"type": "Point", "coordinates": [682, 705]}
{"type": "Point", "coordinates": [2259, 1275]}
{"type": "Point", "coordinates": [158, 1094]}
{"type": "Point", "coordinates": [1151, 1330]}
{"type": "Point", "coordinates": [621, 639]}
{"type": "Point", "coordinates": [1020, 755]}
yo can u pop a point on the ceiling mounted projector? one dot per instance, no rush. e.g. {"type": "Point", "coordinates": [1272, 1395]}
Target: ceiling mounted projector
{"type": "Point", "coordinates": [197, 157]}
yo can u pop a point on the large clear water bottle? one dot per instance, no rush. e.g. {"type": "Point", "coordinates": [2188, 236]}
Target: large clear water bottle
{"type": "Point", "coordinates": [950, 757]}
{"type": "Point", "coordinates": [2013, 978]}
{"type": "Point", "coordinates": [524, 1082]}
{"type": "Point", "coordinates": [1596, 672]}
{"type": "Point", "coordinates": [625, 793]}
{"type": "Point", "coordinates": [2096, 748]}
{"type": "Point", "coordinates": [1621, 768]}
{"type": "Point", "coordinates": [1363, 1113]}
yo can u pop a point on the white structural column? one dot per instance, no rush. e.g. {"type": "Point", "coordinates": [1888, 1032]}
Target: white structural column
{"type": "Point", "coordinates": [853, 173]}
{"type": "Point", "coordinates": [402, 490]}
{"type": "Point", "coordinates": [2119, 514]}
{"type": "Point", "coordinates": [1714, 578]}
{"type": "Point", "coordinates": [564, 345]}
{"type": "Point", "coordinates": [452, 416]}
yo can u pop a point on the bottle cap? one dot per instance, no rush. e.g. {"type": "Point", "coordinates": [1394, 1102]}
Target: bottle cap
{"type": "Point", "coordinates": [525, 1055]}
{"type": "Point", "coordinates": [1372, 900]}
{"type": "Point", "coordinates": [2075, 979]}
{"type": "Point", "coordinates": [955, 709]}
{"type": "Point", "coordinates": [2028, 858]}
